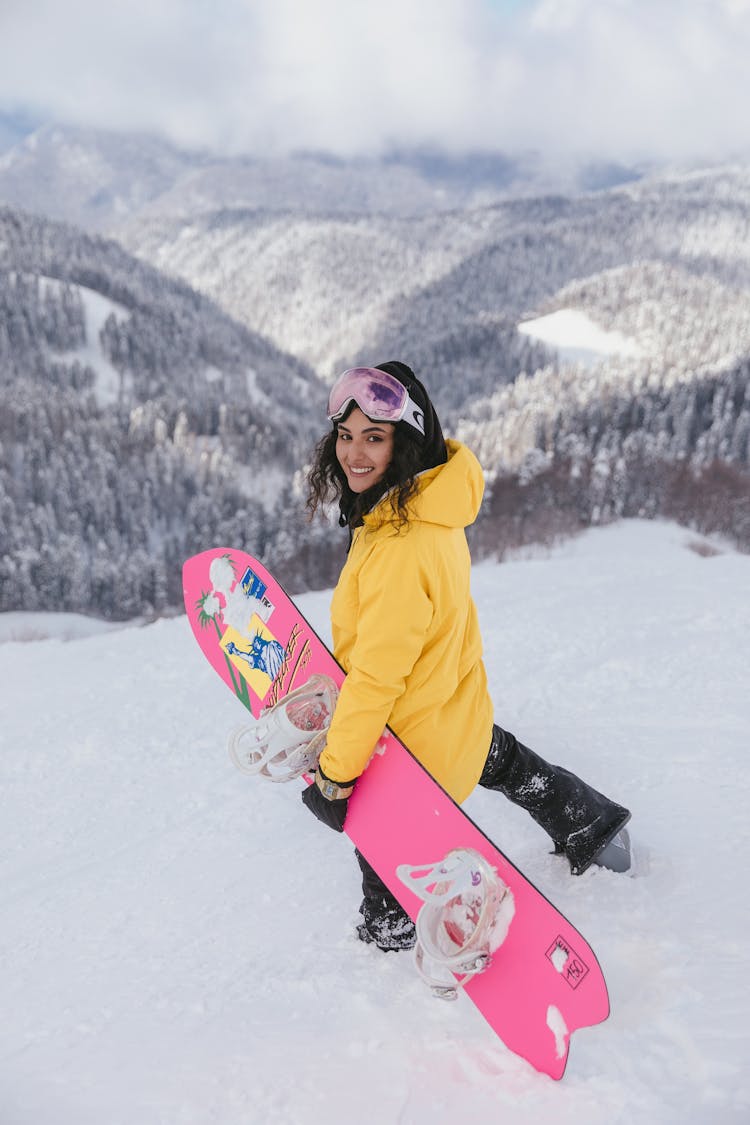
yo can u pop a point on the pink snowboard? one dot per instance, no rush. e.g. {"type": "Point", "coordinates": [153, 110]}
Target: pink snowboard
{"type": "Point", "coordinates": [544, 981]}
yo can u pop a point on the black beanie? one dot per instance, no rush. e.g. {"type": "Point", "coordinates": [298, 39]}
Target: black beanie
{"type": "Point", "coordinates": [432, 445]}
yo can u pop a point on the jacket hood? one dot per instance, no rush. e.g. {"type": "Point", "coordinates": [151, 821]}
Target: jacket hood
{"type": "Point", "coordinates": [449, 495]}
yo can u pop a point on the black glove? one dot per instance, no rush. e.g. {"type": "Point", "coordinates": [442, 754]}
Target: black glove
{"type": "Point", "coordinates": [328, 800]}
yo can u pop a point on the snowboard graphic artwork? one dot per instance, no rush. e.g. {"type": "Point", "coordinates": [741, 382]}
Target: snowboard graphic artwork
{"type": "Point", "coordinates": [544, 981]}
{"type": "Point", "coordinates": [264, 654]}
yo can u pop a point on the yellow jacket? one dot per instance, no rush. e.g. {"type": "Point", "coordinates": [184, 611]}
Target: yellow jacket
{"type": "Point", "coordinates": [405, 631]}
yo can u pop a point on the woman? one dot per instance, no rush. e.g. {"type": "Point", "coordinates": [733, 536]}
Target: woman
{"type": "Point", "coordinates": [405, 631]}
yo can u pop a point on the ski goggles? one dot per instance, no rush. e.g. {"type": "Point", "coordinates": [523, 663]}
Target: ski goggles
{"type": "Point", "coordinates": [377, 394]}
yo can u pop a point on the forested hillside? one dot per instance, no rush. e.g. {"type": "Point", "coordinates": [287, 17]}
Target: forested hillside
{"type": "Point", "coordinates": [664, 432]}
{"type": "Point", "coordinates": [442, 289]}
{"type": "Point", "coordinates": [138, 424]}
{"type": "Point", "coordinates": [154, 405]}
{"type": "Point", "coordinates": [663, 262]}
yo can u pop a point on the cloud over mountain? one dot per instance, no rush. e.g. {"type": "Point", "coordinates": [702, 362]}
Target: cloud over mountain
{"type": "Point", "coordinates": [627, 80]}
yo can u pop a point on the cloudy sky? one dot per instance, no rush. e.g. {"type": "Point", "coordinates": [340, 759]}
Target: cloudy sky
{"type": "Point", "coordinates": [617, 79]}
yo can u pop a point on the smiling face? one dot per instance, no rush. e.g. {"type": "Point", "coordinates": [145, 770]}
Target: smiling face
{"type": "Point", "coordinates": [364, 450]}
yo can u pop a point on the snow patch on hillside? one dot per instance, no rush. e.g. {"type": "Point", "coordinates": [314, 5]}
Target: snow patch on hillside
{"type": "Point", "coordinates": [578, 338]}
{"type": "Point", "coordinates": [97, 309]}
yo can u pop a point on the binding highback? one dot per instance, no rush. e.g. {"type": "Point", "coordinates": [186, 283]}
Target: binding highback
{"type": "Point", "coordinates": [288, 738]}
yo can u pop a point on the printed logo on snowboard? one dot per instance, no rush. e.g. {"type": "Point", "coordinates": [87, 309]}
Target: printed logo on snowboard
{"type": "Point", "coordinates": [255, 589]}
{"type": "Point", "coordinates": [567, 962]}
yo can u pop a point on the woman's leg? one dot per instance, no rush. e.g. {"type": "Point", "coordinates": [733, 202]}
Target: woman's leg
{"type": "Point", "coordinates": [580, 820]}
{"type": "Point", "coordinates": [385, 920]}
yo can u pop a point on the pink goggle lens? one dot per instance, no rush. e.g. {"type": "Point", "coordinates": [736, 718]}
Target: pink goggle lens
{"type": "Point", "coordinates": [377, 394]}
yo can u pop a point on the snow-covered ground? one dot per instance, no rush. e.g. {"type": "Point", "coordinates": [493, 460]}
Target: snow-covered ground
{"type": "Point", "coordinates": [45, 626]}
{"type": "Point", "coordinates": [176, 945]}
{"type": "Point", "coordinates": [577, 337]}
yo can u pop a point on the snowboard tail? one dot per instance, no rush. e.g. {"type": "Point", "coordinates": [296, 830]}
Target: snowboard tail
{"type": "Point", "coordinates": [544, 982]}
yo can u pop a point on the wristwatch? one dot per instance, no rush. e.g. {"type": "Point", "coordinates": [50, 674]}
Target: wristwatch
{"type": "Point", "coordinates": [331, 790]}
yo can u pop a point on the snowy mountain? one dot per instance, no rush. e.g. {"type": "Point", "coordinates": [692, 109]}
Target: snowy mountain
{"type": "Point", "coordinates": [658, 424]}
{"type": "Point", "coordinates": [178, 938]}
{"type": "Point", "coordinates": [592, 348]}
{"type": "Point", "coordinates": [101, 180]}
{"type": "Point", "coordinates": [88, 177]}
{"type": "Point", "coordinates": [442, 287]}
{"type": "Point", "coordinates": [138, 423]}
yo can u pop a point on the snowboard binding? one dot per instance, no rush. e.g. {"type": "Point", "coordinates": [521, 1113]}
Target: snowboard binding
{"type": "Point", "coordinates": [465, 918]}
{"type": "Point", "coordinates": [288, 738]}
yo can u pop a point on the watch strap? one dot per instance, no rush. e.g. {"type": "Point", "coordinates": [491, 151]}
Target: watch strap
{"type": "Point", "coordinates": [331, 790]}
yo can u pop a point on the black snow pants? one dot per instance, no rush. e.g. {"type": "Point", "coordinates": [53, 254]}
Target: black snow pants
{"type": "Point", "coordinates": [580, 820]}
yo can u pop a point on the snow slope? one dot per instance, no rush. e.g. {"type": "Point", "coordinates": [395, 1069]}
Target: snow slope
{"type": "Point", "coordinates": [96, 311]}
{"type": "Point", "coordinates": [578, 338]}
{"type": "Point", "coordinates": [177, 946]}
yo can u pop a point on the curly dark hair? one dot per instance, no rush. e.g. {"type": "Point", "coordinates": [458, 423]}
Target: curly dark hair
{"type": "Point", "coordinates": [327, 481]}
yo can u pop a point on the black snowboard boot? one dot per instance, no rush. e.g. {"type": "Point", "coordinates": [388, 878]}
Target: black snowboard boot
{"type": "Point", "coordinates": [386, 923]}
{"type": "Point", "coordinates": [581, 821]}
